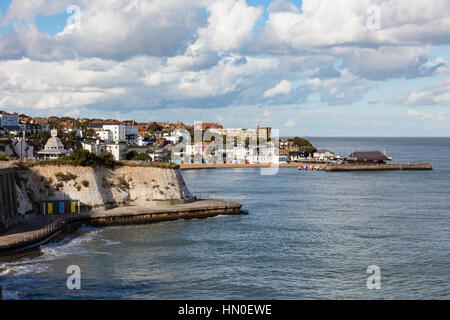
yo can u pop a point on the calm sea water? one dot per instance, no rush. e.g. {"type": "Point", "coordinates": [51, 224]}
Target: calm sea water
{"type": "Point", "coordinates": [308, 235]}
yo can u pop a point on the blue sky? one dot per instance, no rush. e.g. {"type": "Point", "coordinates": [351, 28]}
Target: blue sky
{"type": "Point", "coordinates": [307, 68]}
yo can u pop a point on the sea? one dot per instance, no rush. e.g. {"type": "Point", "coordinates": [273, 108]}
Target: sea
{"type": "Point", "coordinates": [307, 235]}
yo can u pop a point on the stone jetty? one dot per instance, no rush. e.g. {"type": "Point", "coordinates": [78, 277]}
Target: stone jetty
{"type": "Point", "coordinates": [379, 167]}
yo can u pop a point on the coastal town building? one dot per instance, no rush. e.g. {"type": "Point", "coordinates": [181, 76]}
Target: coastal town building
{"type": "Point", "coordinates": [131, 133]}
{"type": "Point", "coordinates": [96, 126]}
{"type": "Point", "coordinates": [78, 132]}
{"type": "Point", "coordinates": [367, 158]}
{"type": "Point", "coordinates": [10, 121]}
{"type": "Point", "coordinates": [285, 144]}
{"type": "Point", "coordinates": [32, 128]}
{"type": "Point", "coordinates": [96, 148]}
{"type": "Point", "coordinates": [324, 155]}
{"type": "Point", "coordinates": [117, 131]}
{"type": "Point", "coordinates": [168, 141]}
{"type": "Point", "coordinates": [53, 148]}
{"type": "Point", "coordinates": [105, 135]}
{"type": "Point", "coordinates": [174, 137]}
{"type": "Point", "coordinates": [120, 133]}
{"type": "Point", "coordinates": [118, 150]}
{"type": "Point", "coordinates": [264, 132]}
{"type": "Point", "coordinates": [21, 148]}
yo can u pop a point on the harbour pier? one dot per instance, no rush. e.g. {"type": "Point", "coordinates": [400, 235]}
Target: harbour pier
{"type": "Point", "coordinates": [379, 167]}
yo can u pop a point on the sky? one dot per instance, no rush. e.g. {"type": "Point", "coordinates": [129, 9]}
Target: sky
{"type": "Point", "coordinates": [307, 68]}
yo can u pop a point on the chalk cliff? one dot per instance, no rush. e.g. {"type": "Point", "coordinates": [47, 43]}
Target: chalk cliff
{"type": "Point", "coordinates": [99, 186]}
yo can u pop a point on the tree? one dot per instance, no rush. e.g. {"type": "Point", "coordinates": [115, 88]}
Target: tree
{"type": "Point", "coordinates": [142, 156]}
{"type": "Point", "coordinates": [89, 133]}
{"type": "Point", "coordinates": [69, 140]}
{"type": "Point", "coordinates": [154, 127]}
{"type": "Point", "coordinates": [138, 156]}
{"type": "Point", "coordinates": [304, 144]}
{"type": "Point", "coordinates": [85, 158]}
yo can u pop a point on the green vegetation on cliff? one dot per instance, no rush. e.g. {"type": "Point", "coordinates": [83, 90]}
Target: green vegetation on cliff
{"type": "Point", "coordinates": [86, 159]}
{"type": "Point", "coordinates": [4, 157]}
{"type": "Point", "coordinates": [304, 144]}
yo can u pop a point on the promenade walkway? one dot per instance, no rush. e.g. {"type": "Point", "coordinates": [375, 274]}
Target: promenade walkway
{"type": "Point", "coordinates": [37, 228]}
{"type": "Point", "coordinates": [188, 166]}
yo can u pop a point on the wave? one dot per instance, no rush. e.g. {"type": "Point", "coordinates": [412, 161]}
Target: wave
{"type": "Point", "coordinates": [72, 245]}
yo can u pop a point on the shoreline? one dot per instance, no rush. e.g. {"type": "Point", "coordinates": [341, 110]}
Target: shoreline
{"type": "Point", "coordinates": [25, 239]}
{"type": "Point", "coordinates": [322, 165]}
{"type": "Point", "coordinates": [192, 166]}
{"type": "Point", "coordinates": [380, 167]}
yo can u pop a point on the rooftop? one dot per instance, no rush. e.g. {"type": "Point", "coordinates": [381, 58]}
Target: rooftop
{"type": "Point", "coordinates": [368, 156]}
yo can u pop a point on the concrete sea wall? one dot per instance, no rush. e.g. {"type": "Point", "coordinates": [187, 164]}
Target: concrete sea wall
{"type": "Point", "coordinates": [390, 166]}
{"type": "Point", "coordinates": [26, 242]}
{"type": "Point", "coordinates": [8, 204]}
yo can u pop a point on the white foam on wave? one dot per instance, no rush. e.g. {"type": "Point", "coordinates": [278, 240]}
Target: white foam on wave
{"type": "Point", "coordinates": [52, 251]}
{"type": "Point", "coordinates": [22, 268]}
{"type": "Point", "coordinates": [110, 242]}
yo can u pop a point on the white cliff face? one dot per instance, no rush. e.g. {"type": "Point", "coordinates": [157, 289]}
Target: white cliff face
{"type": "Point", "coordinates": [100, 186]}
{"type": "Point", "coordinates": [23, 202]}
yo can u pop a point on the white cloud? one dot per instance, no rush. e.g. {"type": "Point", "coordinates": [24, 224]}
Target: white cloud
{"type": "Point", "coordinates": [230, 25]}
{"type": "Point", "coordinates": [427, 115]}
{"type": "Point", "coordinates": [284, 87]}
{"type": "Point", "coordinates": [140, 54]}
{"type": "Point", "coordinates": [115, 29]}
{"type": "Point", "coordinates": [392, 62]}
{"type": "Point", "coordinates": [346, 89]}
{"type": "Point", "coordinates": [112, 29]}
{"type": "Point", "coordinates": [436, 95]}
{"type": "Point", "coordinates": [324, 23]}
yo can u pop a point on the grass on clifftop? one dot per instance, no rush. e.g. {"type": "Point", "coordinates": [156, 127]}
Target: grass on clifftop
{"type": "Point", "coordinates": [86, 159]}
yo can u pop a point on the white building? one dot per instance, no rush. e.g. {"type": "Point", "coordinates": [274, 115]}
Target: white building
{"type": "Point", "coordinates": [53, 148]}
{"type": "Point", "coordinates": [117, 131]}
{"type": "Point", "coordinates": [117, 150]}
{"type": "Point", "coordinates": [237, 155]}
{"type": "Point", "coordinates": [131, 132]}
{"type": "Point", "coordinates": [22, 148]}
{"type": "Point", "coordinates": [120, 133]}
{"type": "Point", "coordinates": [233, 132]}
{"type": "Point", "coordinates": [263, 155]}
{"type": "Point", "coordinates": [324, 155]}
{"type": "Point", "coordinates": [97, 148]}
{"type": "Point", "coordinates": [105, 135]}
{"type": "Point", "coordinates": [173, 139]}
